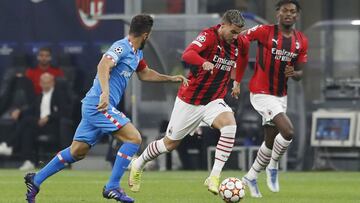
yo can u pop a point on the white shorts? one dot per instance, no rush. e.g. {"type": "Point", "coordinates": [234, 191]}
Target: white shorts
{"type": "Point", "coordinates": [185, 118]}
{"type": "Point", "coordinates": [268, 106]}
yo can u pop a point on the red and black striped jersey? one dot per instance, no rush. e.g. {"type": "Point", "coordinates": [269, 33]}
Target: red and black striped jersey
{"type": "Point", "coordinates": [205, 87]}
{"type": "Point", "coordinates": [274, 52]}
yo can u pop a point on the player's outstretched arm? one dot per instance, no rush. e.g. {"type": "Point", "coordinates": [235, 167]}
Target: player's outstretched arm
{"type": "Point", "coordinates": [241, 65]}
{"type": "Point", "coordinates": [150, 75]}
{"type": "Point", "coordinates": [103, 72]}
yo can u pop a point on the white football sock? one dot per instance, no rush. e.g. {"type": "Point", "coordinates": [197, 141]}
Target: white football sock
{"type": "Point", "coordinates": [153, 150]}
{"type": "Point", "coordinates": [279, 148]}
{"type": "Point", "coordinates": [223, 149]}
{"type": "Point", "coordinates": [261, 161]}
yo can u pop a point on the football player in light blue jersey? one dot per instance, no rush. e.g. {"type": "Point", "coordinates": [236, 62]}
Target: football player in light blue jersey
{"type": "Point", "coordinates": [99, 113]}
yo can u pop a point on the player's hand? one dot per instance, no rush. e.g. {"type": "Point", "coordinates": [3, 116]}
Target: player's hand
{"type": "Point", "coordinates": [104, 102]}
{"type": "Point", "coordinates": [15, 114]}
{"type": "Point", "coordinates": [43, 121]}
{"type": "Point", "coordinates": [208, 66]}
{"type": "Point", "coordinates": [180, 78]}
{"type": "Point", "coordinates": [235, 90]}
{"type": "Point", "coordinates": [289, 71]}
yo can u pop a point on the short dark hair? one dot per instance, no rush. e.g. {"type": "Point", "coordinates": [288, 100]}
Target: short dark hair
{"type": "Point", "coordinates": [283, 2]}
{"type": "Point", "coordinates": [234, 17]}
{"type": "Point", "coordinates": [47, 49]}
{"type": "Point", "coordinates": [140, 24]}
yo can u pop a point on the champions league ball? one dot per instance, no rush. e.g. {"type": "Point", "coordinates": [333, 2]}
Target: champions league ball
{"type": "Point", "coordinates": [232, 190]}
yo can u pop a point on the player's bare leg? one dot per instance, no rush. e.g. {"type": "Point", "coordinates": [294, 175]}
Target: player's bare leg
{"type": "Point", "coordinates": [226, 123]}
{"type": "Point", "coordinates": [280, 145]}
{"type": "Point", "coordinates": [152, 151]}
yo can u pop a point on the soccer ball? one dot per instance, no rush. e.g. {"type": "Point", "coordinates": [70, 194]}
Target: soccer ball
{"type": "Point", "coordinates": [232, 190]}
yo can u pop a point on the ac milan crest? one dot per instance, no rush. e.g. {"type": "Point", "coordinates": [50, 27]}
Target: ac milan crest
{"type": "Point", "coordinates": [87, 9]}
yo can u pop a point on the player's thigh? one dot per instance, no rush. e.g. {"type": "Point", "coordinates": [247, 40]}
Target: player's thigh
{"type": "Point", "coordinates": [128, 133]}
{"type": "Point", "coordinates": [283, 124]}
{"type": "Point", "coordinates": [218, 114]}
{"type": "Point", "coordinates": [111, 120]}
{"type": "Point", "coordinates": [96, 124]}
{"type": "Point", "coordinates": [87, 133]}
{"type": "Point", "coordinates": [268, 106]}
{"type": "Point", "coordinates": [185, 118]}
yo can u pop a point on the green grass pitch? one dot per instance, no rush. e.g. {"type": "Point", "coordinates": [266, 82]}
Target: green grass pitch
{"type": "Point", "coordinates": [183, 187]}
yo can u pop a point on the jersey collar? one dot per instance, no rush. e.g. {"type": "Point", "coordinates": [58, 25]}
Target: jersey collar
{"type": "Point", "coordinates": [131, 45]}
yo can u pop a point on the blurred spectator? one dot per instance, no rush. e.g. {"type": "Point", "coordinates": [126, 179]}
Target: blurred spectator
{"type": "Point", "coordinates": [17, 97]}
{"type": "Point", "coordinates": [44, 66]}
{"type": "Point", "coordinates": [44, 118]}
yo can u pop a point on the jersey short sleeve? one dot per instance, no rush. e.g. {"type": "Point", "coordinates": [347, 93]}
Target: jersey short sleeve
{"type": "Point", "coordinates": [302, 58]}
{"type": "Point", "coordinates": [116, 52]}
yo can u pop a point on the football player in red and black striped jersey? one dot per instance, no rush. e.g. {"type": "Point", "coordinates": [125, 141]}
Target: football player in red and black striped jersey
{"type": "Point", "coordinates": [281, 54]}
{"type": "Point", "coordinates": [211, 57]}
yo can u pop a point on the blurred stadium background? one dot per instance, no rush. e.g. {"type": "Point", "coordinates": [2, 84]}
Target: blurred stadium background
{"type": "Point", "coordinates": [324, 106]}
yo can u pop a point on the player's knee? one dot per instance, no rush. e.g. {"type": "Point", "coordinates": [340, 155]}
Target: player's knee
{"type": "Point", "coordinates": [170, 147]}
{"type": "Point", "coordinates": [78, 154]}
{"type": "Point", "coordinates": [269, 143]}
{"type": "Point", "coordinates": [79, 150]}
{"type": "Point", "coordinates": [223, 120]}
{"type": "Point", "coordinates": [288, 134]}
{"type": "Point", "coordinates": [136, 139]}
{"type": "Point", "coordinates": [171, 144]}
{"type": "Point", "coordinates": [133, 137]}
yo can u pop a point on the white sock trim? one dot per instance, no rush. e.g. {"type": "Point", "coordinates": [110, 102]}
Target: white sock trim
{"type": "Point", "coordinates": [279, 149]}
{"type": "Point", "coordinates": [266, 150]}
{"type": "Point", "coordinates": [152, 151]}
{"type": "Point", "coordinates": [223, 149]}
{"type": "Point", "coordinates": [282, 140]}
{"type": "Point", "coordinates": [228, 131]}
{"type": "Point", "coordinates": [161, 146]}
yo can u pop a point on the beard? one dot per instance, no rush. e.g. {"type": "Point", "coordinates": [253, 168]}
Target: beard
{"type": "Point", "coordinates": [142, 45]}
{"type": "Point", "coordinates": [287, 26]}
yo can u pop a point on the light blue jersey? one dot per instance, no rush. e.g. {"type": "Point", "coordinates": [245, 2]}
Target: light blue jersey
{"type": "Point", "coordinates": [126, 61]}
{"type": "Point", "coordinates": [95, 124]}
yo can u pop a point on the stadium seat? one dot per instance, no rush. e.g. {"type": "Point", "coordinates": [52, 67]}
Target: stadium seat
{"type": "Point", "coordinates": [69, 74]}
{"type": "Point", "coordinates": [47, 145]}
{"type": "Point", "coordinates": [22, 60]}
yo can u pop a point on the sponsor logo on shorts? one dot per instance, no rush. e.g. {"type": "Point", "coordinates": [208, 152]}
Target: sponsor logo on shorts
{"type": "Point", "coordinates": [115, 111]}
